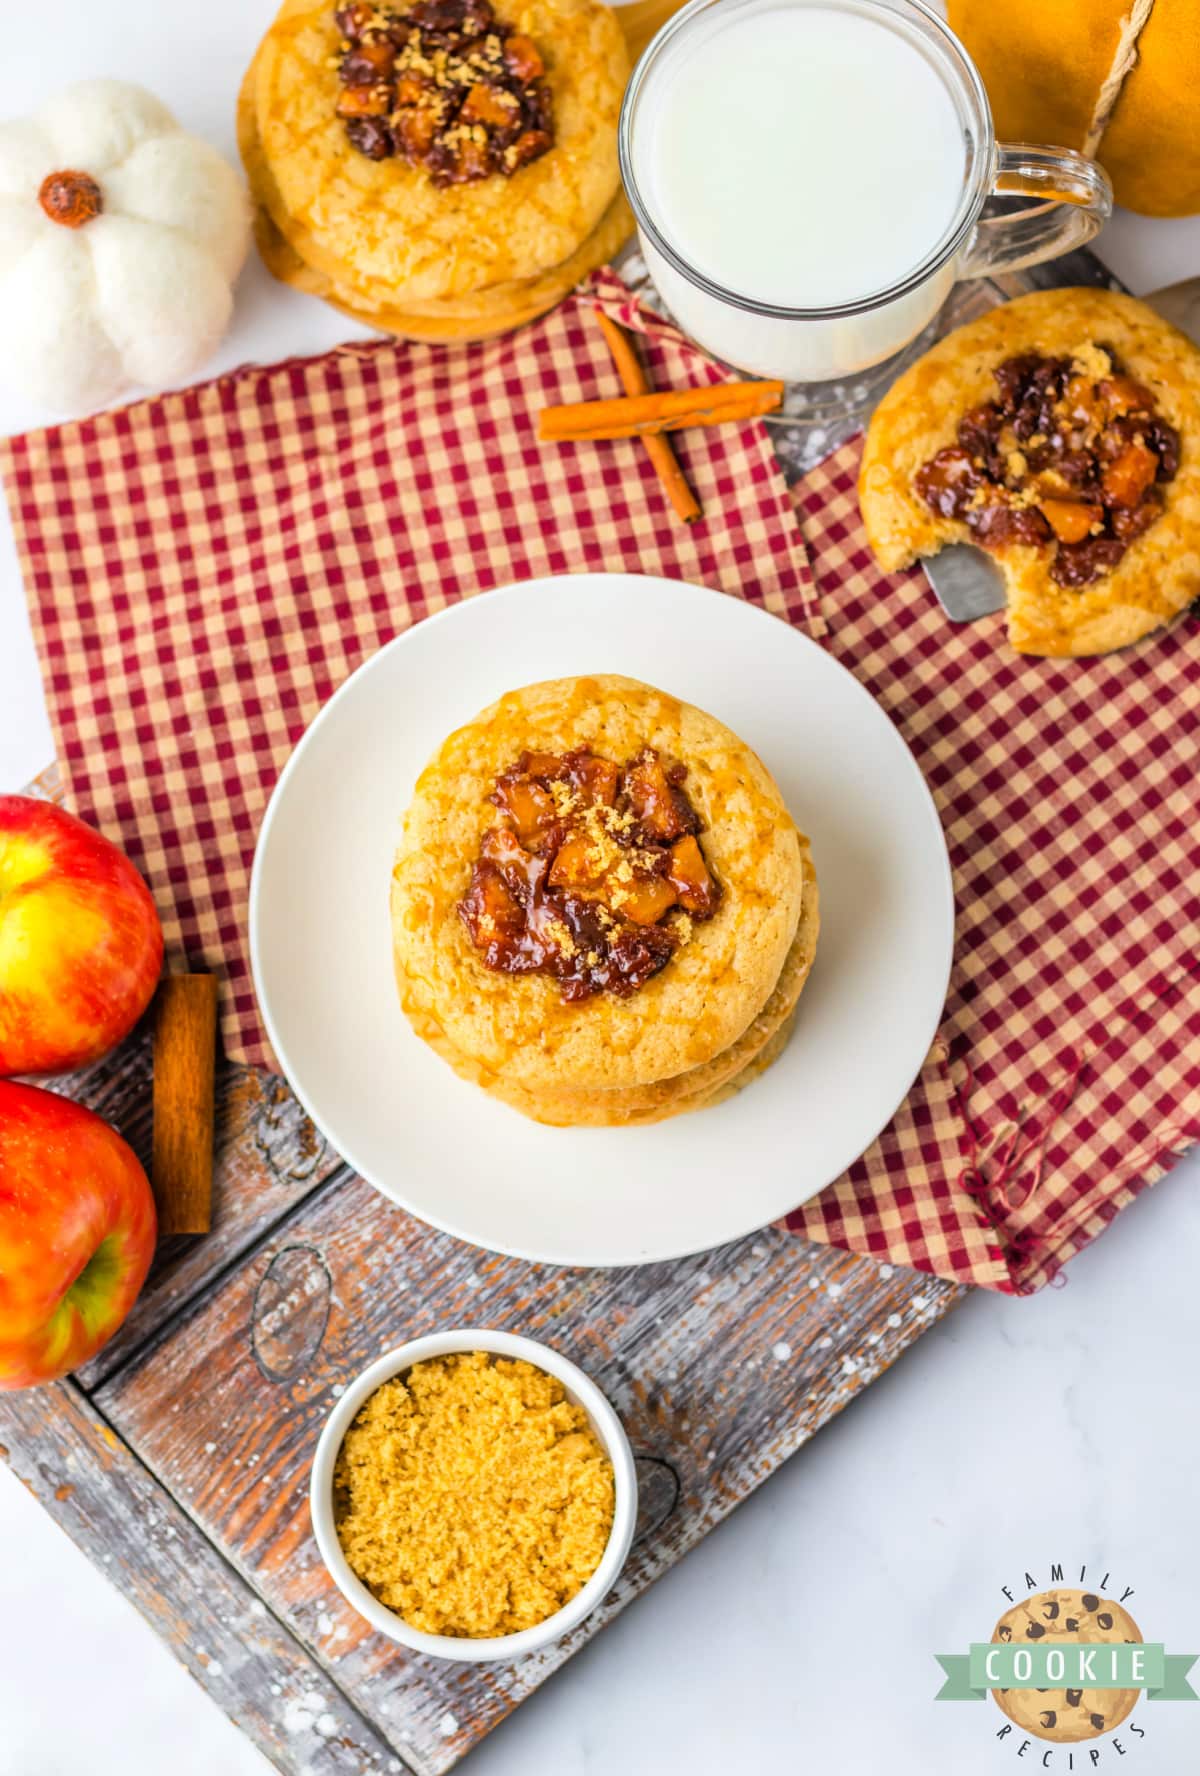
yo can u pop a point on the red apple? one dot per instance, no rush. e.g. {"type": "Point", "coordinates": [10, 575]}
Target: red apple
{"type": "Point", "coordinates": [77, 1229]}
{"type": "Point", "coordinates": [80, 942]}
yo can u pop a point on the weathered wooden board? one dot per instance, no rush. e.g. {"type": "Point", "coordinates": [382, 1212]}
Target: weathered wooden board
{"type": "Point", "coordinates": [131, 1527]}
{"type": "Point", "coordinates": [720, 1367]}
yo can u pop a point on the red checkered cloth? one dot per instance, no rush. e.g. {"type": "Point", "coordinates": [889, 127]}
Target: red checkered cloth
{"type": "Point", "coordinates": [1066, 1073]}
{"type": "Point", "coordinates": [204, 569]}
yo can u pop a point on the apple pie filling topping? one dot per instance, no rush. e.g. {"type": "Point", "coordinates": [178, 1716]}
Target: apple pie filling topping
{"type": "Point", "coordinates": [1072, 457]}
{"type": "Point", "coordinates": [593, 874]}
{"type": "Point", "coordinates": [444, 85]}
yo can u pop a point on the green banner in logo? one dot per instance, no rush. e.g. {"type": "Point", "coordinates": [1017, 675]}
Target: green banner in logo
{"type": "Point", "coordinates": [1066, 1665]}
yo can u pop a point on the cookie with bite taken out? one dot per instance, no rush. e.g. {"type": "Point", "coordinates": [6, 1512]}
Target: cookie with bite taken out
{"type": "Point", "coordinates": [1061, 432]}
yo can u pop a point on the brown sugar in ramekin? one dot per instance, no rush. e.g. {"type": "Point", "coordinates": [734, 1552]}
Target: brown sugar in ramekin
{"type": "Point", "coordinates": [472, 1497]}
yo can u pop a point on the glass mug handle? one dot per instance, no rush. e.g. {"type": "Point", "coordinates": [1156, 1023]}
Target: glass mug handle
{"type": "Point", "coordinates": [1075, 201]}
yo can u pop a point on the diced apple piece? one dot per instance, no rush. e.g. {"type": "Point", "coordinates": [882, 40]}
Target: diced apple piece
{"type": "Point", "coordinates": [523, 872]}
{"type": "Point", "coordinates": [652, 799]}
{"type": "Point", "coordinates": [528, 805]}
{"type": "Point", "coordinates": [411, 88]}
{"type": "Point", "coordinates": [490, 912]}
{"type": "Point", "coordinates": [485, 104]}
{"type": "Point", "coordinates": [416, 126]}
{"type": "Point", "coordinates": [1122, 394]}
{"type": "Point", "coordinates": [574, 866]}
{"type": "Point", "coordinates": [364, 101]}
{"type": "Point", "coordinates": [1128, 476]}
{"type": "Point", "coordinates": [522, 59]}
{"type": "Point", "coordinates": [528, 146]}
{"type": "Point", "coordinates": [595, 778]}
{"type": "Point", "coordinates": [369, 63]}
{"type": "Point", "coordinates": [471, 160]}
{"type": "Point", "coordinates": [545, 765]}
{"type": "Point", "coordinates": [688, 875]}
{"type": "Point", "coordinates": [1079, 399]}
{"type": "Point", "coordinates": [1070, 520]}
{"type": "Point", "coordinates": [646, 899]}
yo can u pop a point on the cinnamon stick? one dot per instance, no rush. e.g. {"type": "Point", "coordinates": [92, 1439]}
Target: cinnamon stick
{"type": "Point", "coordinates": [185, 1051]}
{"type": "Point", "coordinates": [668, 410]}
{"type": "Point", "coordinates": [635, 382]}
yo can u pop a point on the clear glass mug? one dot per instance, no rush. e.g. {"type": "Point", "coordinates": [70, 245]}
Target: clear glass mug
{"type": "Point", "coordinates": [1073, 200]}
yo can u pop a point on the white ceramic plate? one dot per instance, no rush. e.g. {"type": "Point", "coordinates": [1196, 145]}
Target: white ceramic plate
{"type": "Point", "coordinates": [321, 944]}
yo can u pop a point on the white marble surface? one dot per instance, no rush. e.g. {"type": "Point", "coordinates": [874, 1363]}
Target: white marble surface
{"type": "Point", "coordinates": [1063, 1428]}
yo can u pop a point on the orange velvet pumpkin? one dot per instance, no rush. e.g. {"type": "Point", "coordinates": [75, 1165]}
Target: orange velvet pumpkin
{"type": "Point", "coordinates": [1115, 79]}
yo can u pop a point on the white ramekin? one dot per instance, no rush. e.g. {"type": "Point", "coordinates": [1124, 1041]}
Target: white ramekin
{"type": "Point", "coordinates": [608, 1429]}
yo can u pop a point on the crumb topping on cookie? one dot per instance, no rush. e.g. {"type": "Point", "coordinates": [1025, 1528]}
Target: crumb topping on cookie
{"type": "Point", "coordinates": [445, 85]}
{"type": "Point", "coordinates": [595, 874]}
{"type": "Point", "coordinates": [1071, 457]}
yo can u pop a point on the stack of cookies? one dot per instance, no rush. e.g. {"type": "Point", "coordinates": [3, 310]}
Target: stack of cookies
{"type": "Point", "coordinates": [439, 169]}
{"type": "Point", "coordinates": [602, 911]}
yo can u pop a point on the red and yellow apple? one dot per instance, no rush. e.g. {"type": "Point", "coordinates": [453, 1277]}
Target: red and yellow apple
{"type": "Point", "coordinates": [80, 942]}
{"type": "Point", "coordinates": [77, 1229]}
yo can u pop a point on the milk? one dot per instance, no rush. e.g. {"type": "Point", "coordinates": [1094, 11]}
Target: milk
{"type": "Point", "coordinates": [800, 156]}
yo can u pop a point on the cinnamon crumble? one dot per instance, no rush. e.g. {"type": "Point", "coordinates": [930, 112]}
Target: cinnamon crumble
{"type": "Point", "coordinates": [581, 878]}
{"type": "Point", "coordinates": [1072, 456]}
{"type": "Point", "coordinates": [445, 85]}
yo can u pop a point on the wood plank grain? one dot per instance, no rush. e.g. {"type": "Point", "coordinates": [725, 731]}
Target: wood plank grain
{"type": "Point", "coordinates": [721, 1367]}
{"type": "Point", "coordinates": [142, 1539]}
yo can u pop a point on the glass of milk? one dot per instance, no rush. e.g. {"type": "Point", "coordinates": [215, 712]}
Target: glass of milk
{"type": "Point", "coordinates": [808, 178]}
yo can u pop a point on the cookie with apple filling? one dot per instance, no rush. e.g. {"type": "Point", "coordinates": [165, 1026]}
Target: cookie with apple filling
{"type": "Point", "coordinates": [597, 888]}
{"type": "Point", "coordinates": [1060, 432]}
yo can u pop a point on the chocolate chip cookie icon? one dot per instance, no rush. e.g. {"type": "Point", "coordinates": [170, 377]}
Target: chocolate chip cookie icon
{"type": "Point", "coordinates": [1081, 1616]}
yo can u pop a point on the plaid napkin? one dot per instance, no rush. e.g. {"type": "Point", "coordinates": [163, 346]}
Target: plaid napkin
{"type": "Point", "coordinates": [1066, 1073]}
{"type": "Point", "coordinates": [205, 568]}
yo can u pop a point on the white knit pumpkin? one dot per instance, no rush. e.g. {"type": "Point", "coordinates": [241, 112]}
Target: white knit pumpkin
{"type": "Point", "coordinates": [120, 238]}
